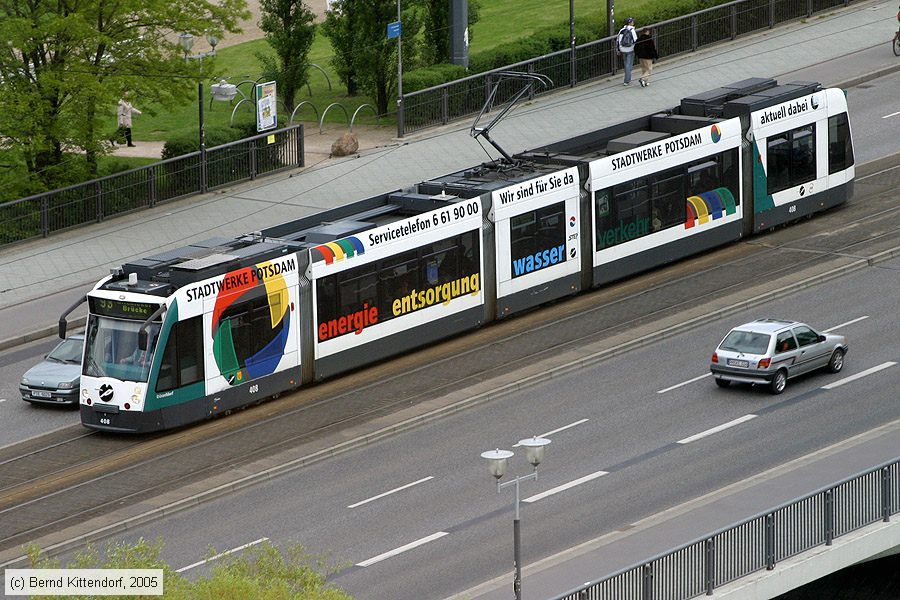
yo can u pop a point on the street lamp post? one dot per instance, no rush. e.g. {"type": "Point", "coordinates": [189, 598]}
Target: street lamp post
{"type": "Point", "coordinates": [497, 459]}
{"type": "Point", "coordinates": [187, 42]}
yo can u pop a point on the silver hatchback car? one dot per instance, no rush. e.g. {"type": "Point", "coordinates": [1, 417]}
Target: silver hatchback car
{"type": "Point", "coordinates": [56, 379]}
{"type": "Point", "coordinates": [769, 352]}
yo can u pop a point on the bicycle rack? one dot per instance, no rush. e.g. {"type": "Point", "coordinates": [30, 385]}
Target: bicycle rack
{"type": "Point", "coordinates": [325, 112]}
{"type": "Point", "coordinates": [238, 105]}
{"type": "Point", "coordinates": [328, 79]}
{"type": "Point", "coordinates": [356, 112]}
{"type": "Point", "coordinates": [291, 120]}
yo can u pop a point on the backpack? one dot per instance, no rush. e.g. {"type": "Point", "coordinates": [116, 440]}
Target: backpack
{"type": "Point", "coordinates": [626, 38]}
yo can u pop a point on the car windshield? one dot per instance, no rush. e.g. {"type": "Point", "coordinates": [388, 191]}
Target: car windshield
{"type": "Point", "coordinates": [113, 351]}
{"type": "Point", "coordinates": [748, 342]}
{"type": "Point", "coordinates": [69, 351]}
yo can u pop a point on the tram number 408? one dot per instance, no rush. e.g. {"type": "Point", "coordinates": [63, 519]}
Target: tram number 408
{"type": "Point", "coordinates": [105, 420]}
{"type": "Point", "coordinates": [254, 388]}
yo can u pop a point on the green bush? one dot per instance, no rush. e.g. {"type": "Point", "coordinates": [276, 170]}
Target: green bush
{"type": "Point", "coordinates": [420, 79]}
{"type": "Point", "coordinates": [189, 141]}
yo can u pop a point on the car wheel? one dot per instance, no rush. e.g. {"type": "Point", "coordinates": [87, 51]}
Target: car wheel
{"type": "Point", "coordinates": [779, 382]}
{"type": "Point", "coordinates": [722, 383]}
{"type": "Point", "coordinates": [837, 361]}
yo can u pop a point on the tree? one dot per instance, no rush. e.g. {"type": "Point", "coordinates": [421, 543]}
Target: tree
{"type": "Point", "coordinates": [290, 31]}
{"type": "Point", "coordinates": [437, 29]}
{"type": "Point", "coordinates": [363, 54]}
{"type": "Point", "coordinates": [262, 571]}
{"type": "Point", "coordinates": [65, 64]}
{"type": "Point", "coordinates": [339, 28]}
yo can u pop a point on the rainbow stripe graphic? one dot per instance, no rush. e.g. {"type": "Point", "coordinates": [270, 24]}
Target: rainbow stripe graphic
{"type": "Point", "coordinates": [234, 362]}
{"type": "Point", "coordinates": [709, 206]}
{"type": "Point", "coordinates": [339, 250]}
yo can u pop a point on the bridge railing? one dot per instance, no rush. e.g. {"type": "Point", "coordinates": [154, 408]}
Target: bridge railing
{"type": "Point", "coordinates": [441, 104]}
{"type": "Point", "coordinates": [144, 187]}
{"type": "Point", "coordinates": [754, 544]}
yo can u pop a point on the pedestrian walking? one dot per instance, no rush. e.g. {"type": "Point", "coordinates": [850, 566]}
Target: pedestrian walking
{"type": "Point", "coordinates": [124, 117]}
{"type": "Point", "coordinates": [645, 51]}
{"type": "Point", "coordinates": [625, 47]}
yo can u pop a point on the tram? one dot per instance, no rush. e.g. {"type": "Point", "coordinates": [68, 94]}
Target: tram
{"type": "Point", "coordinates": [195, 332]}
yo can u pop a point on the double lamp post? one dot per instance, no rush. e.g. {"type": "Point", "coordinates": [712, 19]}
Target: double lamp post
{"type": "Point", "coordinates": [186, 40]}
{"type": "Point", "coordinates": [497, 461]}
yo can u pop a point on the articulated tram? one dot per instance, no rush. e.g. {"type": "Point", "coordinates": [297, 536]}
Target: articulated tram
{"type": "Point", "coordinates": [198, 331]}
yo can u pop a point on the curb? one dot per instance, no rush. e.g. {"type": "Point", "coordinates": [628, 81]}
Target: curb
{"type": "Point", "coordinates": [855, 81]}
{"type": "Point", "coordinates": [468, 398]}
{"type": "Point", "coordinates": [37, 334]}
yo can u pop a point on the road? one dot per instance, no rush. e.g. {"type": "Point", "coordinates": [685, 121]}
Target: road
{"type": "Point", "coordinates": [632, 436]}
{"type": "Point", "coordinates": [875, 118]}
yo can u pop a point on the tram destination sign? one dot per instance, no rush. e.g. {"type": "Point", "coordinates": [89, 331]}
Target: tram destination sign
{"type": "Point", "coordinates": [122, 309]}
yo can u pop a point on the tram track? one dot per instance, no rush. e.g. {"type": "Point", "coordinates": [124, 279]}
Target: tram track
{"type": "Point", "coordinates": [47, 483]}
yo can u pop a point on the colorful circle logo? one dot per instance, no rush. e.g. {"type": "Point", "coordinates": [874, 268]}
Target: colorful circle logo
{"type": "Point", "coordinates": [716, 133]}
{"type": "Point", "coordinates": [572, 221]}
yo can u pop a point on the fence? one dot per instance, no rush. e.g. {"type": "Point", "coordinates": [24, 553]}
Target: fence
{"type": "Point", "coordinates": [441, 104]}
{"type": "Point", "coordinates": [144, 187]}
{"type": "Point", "coordinates": [758, 543]}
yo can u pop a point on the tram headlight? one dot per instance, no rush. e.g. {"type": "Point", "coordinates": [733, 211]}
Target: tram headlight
{"type": "Point", "coordinates": [84, 392]}
{"type": "Point", "coordinates": [136, 399]}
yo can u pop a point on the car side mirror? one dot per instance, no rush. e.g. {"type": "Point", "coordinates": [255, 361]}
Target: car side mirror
{"type": "Point", "coordinates": [821, 338]}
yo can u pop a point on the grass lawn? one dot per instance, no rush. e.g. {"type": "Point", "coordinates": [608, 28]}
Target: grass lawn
{"type": "Point", "coordinates": [239, 63]}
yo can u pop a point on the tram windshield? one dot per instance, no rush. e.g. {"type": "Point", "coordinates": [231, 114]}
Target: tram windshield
{"type": "Point", "coordinates": [113, 351]}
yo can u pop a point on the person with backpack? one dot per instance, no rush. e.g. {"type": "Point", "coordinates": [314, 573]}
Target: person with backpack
{"type": "Point", "coordinates": [625, 47]}
{"type": "Point", "coordinates": [645, 51]}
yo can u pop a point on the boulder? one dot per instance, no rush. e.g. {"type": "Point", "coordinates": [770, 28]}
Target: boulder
{"type": "Point", "coordinates": [346, 145]}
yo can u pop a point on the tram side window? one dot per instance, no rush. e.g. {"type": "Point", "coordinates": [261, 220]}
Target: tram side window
{"type": "Point", "coordinates": [398, 276]}
{"type": "Point", "coordinates": [628, 215]}
{"type": "Point", "coordinates": [840, 146]}
{"type": "Point", "coordinates": [441, 262]}
{"type": "Point", "coordinates": [791, 158]}
{"type": "Point", "coordinates": [668, 200]}
{"type": "Point", "coordinates": [470, 259]}
{"type": "Point", "coordinates": [357, 288]}
{"type": "Point", "coordinates": [326, 298]}
{"type": "Point", "coordinates": [182, 362]}
{"type": "Point", "coordinates": [250, 326]}
{"type": "Point", "coordinates": [803, 155]}
{"type": "Point", "coordinates": [537, 230]}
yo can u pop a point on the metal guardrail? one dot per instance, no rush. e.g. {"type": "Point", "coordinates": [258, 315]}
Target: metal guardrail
{"type": "Point", "coordinates": [757, 543]}
{"type": "Point", "coordinates": [94, 201]}
{"type": "Point", "coordinates": [438, 105]}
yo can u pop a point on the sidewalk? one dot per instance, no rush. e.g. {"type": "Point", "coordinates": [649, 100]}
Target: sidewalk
{"type": "Point", "coordinates": [32, 271]}
{"type": "Point", "coordinates": [317, 145]}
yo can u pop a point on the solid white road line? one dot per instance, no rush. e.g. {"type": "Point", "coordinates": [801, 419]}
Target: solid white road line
{"type": "Point", "coordinates": [401, 549]}
{"type": "Point", "coordinates": [563, 428]}
{"type": "Point", "coordinates": [683, 383]}
{"type": "Point", "coordinates": [891, 115]}
{"type": "Point", "coordinates": [2, 399]}
{"type": "Point", "coordinates": [859, 375]}
{"type": "Point", "coordinates": [388, 493]}
{"type": "Point", "coordinates": [566, 486]}
{"type": "Point", "coordinates": [830, 329]}
{"type": "Point", "coordinates": [212, 558]}
{"type": "Point", "coordinates": [721, 427]}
